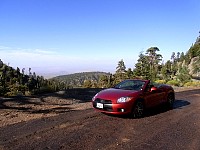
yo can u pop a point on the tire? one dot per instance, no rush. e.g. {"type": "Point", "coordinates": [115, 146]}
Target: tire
{"type": "Point", "coordinates": [170, 101]}
{"type": "Point", "coordinates": [138, 110]}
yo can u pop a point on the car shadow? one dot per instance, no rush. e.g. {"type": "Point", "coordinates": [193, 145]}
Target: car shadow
{"type": "Point", "coordinates": [178, 104]}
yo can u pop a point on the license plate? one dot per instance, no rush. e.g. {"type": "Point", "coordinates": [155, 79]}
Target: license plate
{"type": "Point", "coordinates": [99, 105]}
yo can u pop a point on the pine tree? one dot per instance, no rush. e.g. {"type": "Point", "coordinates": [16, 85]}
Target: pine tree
{"type": "Point", "coordinates": [183, 75]}
{"type": "Point", "coordinates": [129, 73]}
{"type": "Point", "coordinates": [120, 71]}
{"type": "Point", "coordinates": [142, 67]}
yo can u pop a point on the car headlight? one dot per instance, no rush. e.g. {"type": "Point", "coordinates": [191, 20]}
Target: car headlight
{"type": "Point", "coordinates": [124, 99]}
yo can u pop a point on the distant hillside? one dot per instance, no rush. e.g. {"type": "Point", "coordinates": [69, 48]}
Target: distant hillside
{"type": "Point", "coordinates": [77, 79]}
{"type": "Point", "coordinates": [15, 82]}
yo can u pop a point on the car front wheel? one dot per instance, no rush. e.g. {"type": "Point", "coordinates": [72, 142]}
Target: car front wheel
{"type": "Point", "coordinates": [138, 110]}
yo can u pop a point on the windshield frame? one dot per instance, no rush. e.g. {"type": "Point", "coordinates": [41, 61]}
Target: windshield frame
{"type": "Point", "coordinates": [136, 85]}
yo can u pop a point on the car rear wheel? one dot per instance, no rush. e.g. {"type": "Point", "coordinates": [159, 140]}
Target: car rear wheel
{"type": "Point", "coordinates": [138, 110]}
{"type": "Point", "coordinates": [170, 100]}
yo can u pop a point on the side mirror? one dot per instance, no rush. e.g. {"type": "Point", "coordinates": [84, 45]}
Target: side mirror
{"type": "Point", "coordinates": [153, 89]}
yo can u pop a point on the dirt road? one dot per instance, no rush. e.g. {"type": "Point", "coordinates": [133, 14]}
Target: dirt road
{"type": "Point", "coordinates": [87, 129]}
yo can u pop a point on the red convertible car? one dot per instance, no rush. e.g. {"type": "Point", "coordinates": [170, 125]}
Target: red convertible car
{"type": "Point", "coordinates": [133, 97]}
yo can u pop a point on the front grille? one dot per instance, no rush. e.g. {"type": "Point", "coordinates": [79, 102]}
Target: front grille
{"type": "Point", "coordinates": [107, 104]}
{"type": "Point", "coordinates": [98, 100]}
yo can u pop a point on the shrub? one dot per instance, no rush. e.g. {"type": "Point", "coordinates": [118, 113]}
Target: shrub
{"type": "Point", "coordinates": [43, 90]}
{"type": "Point", "coordinates": [192, 84]}
{"type": "Point", "coordinates": [160, 81]}
{"type": "Point", "coordinates": [184, 75]}
{"type": "Point", "coordinates": [173, 83]}
{"type": "Point", "coordinates": [1, 91]}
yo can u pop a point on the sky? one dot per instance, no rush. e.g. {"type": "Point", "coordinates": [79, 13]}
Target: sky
{"type": "Point", "coordinates": [57, 37]}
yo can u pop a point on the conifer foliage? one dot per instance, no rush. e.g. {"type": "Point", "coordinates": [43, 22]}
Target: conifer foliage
{"type": "Point", "coordinates": [15, 82]}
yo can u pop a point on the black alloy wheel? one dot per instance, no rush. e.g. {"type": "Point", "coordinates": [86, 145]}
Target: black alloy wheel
{"type": "Point", "coordinates": [138, 110]}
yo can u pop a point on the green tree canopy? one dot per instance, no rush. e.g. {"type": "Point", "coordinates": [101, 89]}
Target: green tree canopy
{"type": "Point", "coordinates": [120, 71]}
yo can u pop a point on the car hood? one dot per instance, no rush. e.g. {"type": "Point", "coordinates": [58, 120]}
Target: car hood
{"type": "Point", "coordinates": [114, 94]}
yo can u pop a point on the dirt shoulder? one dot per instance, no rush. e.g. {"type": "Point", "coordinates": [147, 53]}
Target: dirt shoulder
{"type": "Point", "coordinates": [22, 109]}
{"type": "Point", "coordinates": [14, 110]}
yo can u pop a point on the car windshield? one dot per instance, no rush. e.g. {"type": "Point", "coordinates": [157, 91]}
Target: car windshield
{"type": "Point", "coordinates": [136, 85]}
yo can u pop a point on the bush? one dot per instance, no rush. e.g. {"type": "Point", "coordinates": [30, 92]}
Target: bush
{"type": "Point", "coordinates": [44, 90]}
{"type": "Point", "coordinates": [192, 84]}
{"type": "Point", "coordinates": [173, 83]}
{"type": "Point", "coordinates": [11, 93]}
{"type": "Point", "coordinates": [184, 75]}
{"type": "Point", "coordinates": [160, 81]}
{"type": "Point", "coordinates": [1, 91]}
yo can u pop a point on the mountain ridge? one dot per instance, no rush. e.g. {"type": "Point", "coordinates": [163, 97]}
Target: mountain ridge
{"type": "Point", "coordinates": [78, 79]}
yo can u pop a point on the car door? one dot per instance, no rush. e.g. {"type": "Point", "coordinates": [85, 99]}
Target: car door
{"type": "Point", "coordinates": [161, 94]}
{"type": "Point", "coordinates": [152, 98]}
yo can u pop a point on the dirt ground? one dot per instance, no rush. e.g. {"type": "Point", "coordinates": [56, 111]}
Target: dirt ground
{"type": "Point", "coordinates": [19, 109]}
{"type": "Point", "coordinates": [66, 120]}
{"type": "Point", "coordinates": [22, 109]}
